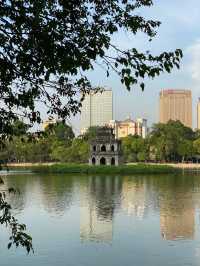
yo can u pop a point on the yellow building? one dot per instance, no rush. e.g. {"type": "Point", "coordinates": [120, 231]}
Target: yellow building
{"type": "Point", "coordinates": [129, 127]}
{"type": "Point", "coordinates": [176, 105]}
{"type": "Point", "coordinates": [50, 121]}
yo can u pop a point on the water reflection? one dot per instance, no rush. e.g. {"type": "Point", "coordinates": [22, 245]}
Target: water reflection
{"type": "Point", "coordinates": [99, 200]}
{"type": "Point", "coordinates": [56, 193]}
{"type": "Point", "coordinates": [173, 200]}
{"type": "Point", "coordinates": [53, 193]}
{"type": "Point", "coordinates": [177, 210]}
{"type": "Point", "coordinates": [134, 196]}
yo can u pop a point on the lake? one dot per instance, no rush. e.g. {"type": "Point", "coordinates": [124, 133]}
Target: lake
{"type": "Point", "coordinates": [106, 220]}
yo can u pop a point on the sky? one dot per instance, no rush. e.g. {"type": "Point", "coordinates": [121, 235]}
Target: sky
{"type": "Point", "coordinates": [180, 28]}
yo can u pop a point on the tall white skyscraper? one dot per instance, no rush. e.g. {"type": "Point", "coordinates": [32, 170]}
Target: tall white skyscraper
{"type": "Point", "coordinates": [97, 109]}
{"type": "Point", "coordinates": [198, 114]}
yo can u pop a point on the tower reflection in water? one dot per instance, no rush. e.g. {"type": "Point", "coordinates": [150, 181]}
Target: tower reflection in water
{"type": "Point", "coordinates": [172, 200]}
{"type": "Point", "coordinates": [101, 197]}
{"type": "Point", "coordinates": [99, 200]}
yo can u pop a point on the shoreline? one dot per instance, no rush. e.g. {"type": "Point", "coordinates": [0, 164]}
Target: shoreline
{"type": "Point", "coordinates": [136, 168]}
{"type": "Point", "coordinates": [174, 165]}
{"type": "Point", "coordinates": [131, 168]}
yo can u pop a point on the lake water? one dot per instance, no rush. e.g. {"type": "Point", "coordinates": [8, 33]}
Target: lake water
{"type": "Point", "coordinates": [100, 221]}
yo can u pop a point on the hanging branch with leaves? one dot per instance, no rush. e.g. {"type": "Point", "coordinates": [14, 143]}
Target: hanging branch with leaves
{"type": "Point", "coordinates": [18, 237]}
{"type": "Point", "coordinates": [48, 47]}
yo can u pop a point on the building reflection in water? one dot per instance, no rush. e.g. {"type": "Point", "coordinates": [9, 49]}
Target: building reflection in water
{"type": "Point", "coordinates": [100, 198]}
{"type": "Point", "coordinates": [177, 217]}
{"type": "Point", "coordinates": [103, 196]}
{"type": "Point", "coordinates": [134, 197]}
{"type": "Point", "coordinates": [177, 207]}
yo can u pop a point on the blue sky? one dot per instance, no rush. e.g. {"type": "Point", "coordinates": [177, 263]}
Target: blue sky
{"type": "Point", "coordinates": [180, 28]}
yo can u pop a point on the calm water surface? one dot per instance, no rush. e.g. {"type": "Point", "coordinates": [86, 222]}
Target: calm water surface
{"type": "Point", "coordinates": [114, 221]}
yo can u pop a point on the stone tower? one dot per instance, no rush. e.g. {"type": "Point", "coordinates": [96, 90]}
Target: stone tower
{"type": "Point", "coordinates": [105, 149]}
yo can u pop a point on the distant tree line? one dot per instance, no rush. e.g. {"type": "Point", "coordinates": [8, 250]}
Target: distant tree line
{"type": "Point", "coordinates": [56, 144]}
{"type": "Point", "coordinates": [171, 142]}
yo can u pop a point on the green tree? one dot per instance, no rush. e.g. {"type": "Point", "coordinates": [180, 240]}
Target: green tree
{"type": "Point", "coordinates": [196, 145]}
{"type": "Point", "coordinates": [166, 138]}
{"type": "Point", "coordinates": [48, 47]}
{"type": "Point", "coordinates": [186, 149]}
{"type": "Point", "coordinates": [90, 133]}
{"type": "Point", "coordinates": [134, 149]}
{"type": "Point", "coordinates": [6, 151]}
{"type": "Point", "coordinates": [61, 132]}
{"type": "Point", "coordinates": [59, 151]}
{"type": "Point", "coordinates": [39, 150]}
{"type": "Point", "coordinates": [142, 156]}
{"type": "Point", "coordinates": [19, 128]}
{"type": "Point", "coordinates": [8, 145]}
{"type": "Point", "coordinates": [78, 152]}
{"type": "Point", "coordinates": [60, 136]}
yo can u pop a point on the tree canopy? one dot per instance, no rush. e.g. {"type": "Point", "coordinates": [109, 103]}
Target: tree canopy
{"type": "Point", "coordinates": [171, 141]}
{"type": "Point", "coordinates": [61, 131]}
{"type": "Point", "coordinates": [48, 47]}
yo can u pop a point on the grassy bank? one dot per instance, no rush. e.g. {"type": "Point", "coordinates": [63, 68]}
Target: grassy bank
{"type": "Point", "coordinates": [86, 169]}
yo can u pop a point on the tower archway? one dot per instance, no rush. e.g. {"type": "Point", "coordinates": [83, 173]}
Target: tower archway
{"type": "Point", "coordinates": [103, 161]}
{"type": "Point", "coordinates": [113, 161]}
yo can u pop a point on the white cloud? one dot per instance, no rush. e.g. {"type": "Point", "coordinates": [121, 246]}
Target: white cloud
{"type": "Point", "coordinates": [194, 66]}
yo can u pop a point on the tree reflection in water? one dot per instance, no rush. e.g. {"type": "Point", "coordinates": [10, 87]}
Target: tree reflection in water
{"type": "Point", "coordinates": [100, 198]}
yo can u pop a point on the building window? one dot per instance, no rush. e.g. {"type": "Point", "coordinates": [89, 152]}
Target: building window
{"type": "Point", "coordinates": [103, 148]}
{"type": "Point", "coordinates": [94, 148]}
{"type": "Point", "coordinates": [103, 161]}
{"type": "Point", "coordinates": [112, 148]}
{"type": "Point", "coordinates": [93, 161]}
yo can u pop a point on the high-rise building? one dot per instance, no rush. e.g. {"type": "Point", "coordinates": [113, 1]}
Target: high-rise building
{"type": "Point", "coordinates": [97, 109]}
{"type": "Point", "coordinates": [198, 114]}
{"type": "Point", "coordinates": [176, 105]}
